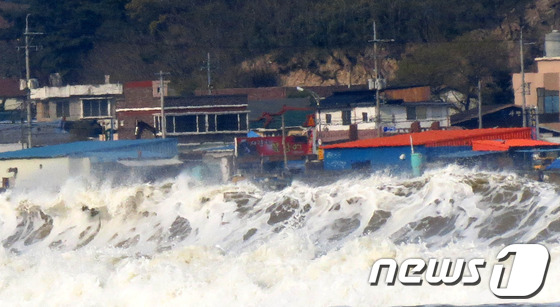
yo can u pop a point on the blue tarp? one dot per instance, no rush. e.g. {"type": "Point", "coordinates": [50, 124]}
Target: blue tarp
{"type": "Point", "coordinates": [554, 165]}
{"type": "Point", "coordinates": [253, 134]}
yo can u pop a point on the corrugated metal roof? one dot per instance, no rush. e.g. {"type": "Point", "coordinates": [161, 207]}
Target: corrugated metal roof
{"type": "Point", "coordinates": [505, 145]}
{"type": "Point", "coordinates": [102, 149]}
{"type": "Point", "coordinates": [435, 138]}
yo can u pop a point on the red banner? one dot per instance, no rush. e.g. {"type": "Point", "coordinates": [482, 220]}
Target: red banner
{"type": "Point", "coordinates": [272, 146]}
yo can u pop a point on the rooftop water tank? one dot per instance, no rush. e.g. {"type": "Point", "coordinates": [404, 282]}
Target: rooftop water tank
{"type": "Point", "coordinates": [552, 44]}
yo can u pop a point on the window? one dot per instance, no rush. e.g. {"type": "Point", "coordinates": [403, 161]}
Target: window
{"type": "Point", "coordinates": [201, 123]}
{"type": "Point", "coordinates": [548, 101]}
{"type": "Point", "coordinates": [328, 118]}
{"type": "Point", "coordinates": [212, 122]}
{"type": "Point", "coordinates": [437, 112]}
{"type": "Point", "coordinates": [243, 122]}
{"type": "Point", "coordinates": [411, 113]}
{"type": "Point", "coordinates": [46, 109]}
{"type": "Point", "coordinates": [551, 104]}
{"type": "Point", "coordinates": [169, 124]}
{"type": "Point", "coordinates": [227, 122]}
{"type": "Point", "coordinates": [421, 112]}
{"type": "Point", "coordinates": [416, 113]}
{"type": "Point", "coordinates": [346, 117]}
{"type": "Point", "coordinates": [186, 123]}
{"type": "Point", "coordinates": [364, 117]}
{"type": "Point", "coordinates": [95, 107]}
{"type": "Point", "coordinates": [63, 109]}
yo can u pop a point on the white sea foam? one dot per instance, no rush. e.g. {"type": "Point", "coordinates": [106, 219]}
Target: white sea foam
{"type": "Point", "coordinates": [181, 242]}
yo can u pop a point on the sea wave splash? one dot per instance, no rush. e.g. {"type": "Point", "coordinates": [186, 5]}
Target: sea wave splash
{"type": "Point", "coordinates": [181, 241]}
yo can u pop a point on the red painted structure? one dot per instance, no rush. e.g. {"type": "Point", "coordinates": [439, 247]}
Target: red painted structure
{"type": "Point", "coordinates": [272, 146]}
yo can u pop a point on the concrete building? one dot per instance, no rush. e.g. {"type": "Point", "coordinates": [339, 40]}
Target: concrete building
{"type": "Point", "coordinates": [542, 87]}
{"type": "Point", "coordinates": [78, 102]}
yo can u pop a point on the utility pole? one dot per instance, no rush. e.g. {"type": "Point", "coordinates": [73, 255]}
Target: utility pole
{"type": "Point", "coordinates": [378, 84]}
{"type": "Point", "coordinates": [524, 106]}
{"type": "Point", "coordinates": [208, 75]}
{"type": "Point", "coordinates": [163, 123]}
{"type": "Point", "coordinates": [479, 105]}
{"type": "Point", "coordinates": [284, 149]}
{"type": "Point", "coordinates": [27, 34]}
{"type": "Point", "coordinates": [316, 131]}
{"type": "Point", "coordinates": [538, 136]}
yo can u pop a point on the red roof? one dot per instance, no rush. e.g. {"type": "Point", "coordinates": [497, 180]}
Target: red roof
{"type": "Point", "coordinates": [135, 84]}
{"type": "Point", "coordinates": [434, 138]}
{"type": "Point", "coordinates": [10, 88]}
{"type": "Point", "coordinates": [488, 145]}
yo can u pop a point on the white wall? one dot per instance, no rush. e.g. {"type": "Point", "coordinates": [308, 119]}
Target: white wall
{"type": "Point", "coordinates": [76, 90]}
{"type": "Point", "coordinates": [48, 173]}
{"type": "Point", "coordinates": [401, 122]}
{"type": "Point", "coordinates": [10, 147]}
{"type": "Point", "coordinates": [391, 116]}
{"type": "Point", "coordinates": [75, 106]}
{"type": "Point", "coordinates": [13, 104]}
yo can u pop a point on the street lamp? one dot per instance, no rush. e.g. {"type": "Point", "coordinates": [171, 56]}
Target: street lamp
{"type": "Point", "coordinates": [317, 102]}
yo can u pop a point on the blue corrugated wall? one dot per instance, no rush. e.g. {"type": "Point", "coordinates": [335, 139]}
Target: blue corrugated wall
{"type": "Point", "coordinates": [382, 157]}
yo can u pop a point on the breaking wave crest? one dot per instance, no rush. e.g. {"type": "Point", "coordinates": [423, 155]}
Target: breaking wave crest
{"type": "Point", "coordinates": [181, 241]}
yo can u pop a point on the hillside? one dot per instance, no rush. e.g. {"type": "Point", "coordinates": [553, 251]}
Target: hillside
{"type": "Point", "coordinates": [443, 43]}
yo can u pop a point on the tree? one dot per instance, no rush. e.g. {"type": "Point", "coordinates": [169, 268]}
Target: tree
{"type": "Point", "coordinates": [459, 65]}
{"type": "Point", "coordinates": [71, 29]}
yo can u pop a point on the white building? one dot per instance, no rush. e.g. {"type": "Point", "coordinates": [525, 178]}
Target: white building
{"type": "Point", "coordinates": [399, 109]}
{"type": "Point", "coordinates": [77, 102]}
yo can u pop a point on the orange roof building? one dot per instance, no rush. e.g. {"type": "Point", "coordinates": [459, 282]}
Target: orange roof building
{"type": "Point", "coordinates": [394, 152]}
